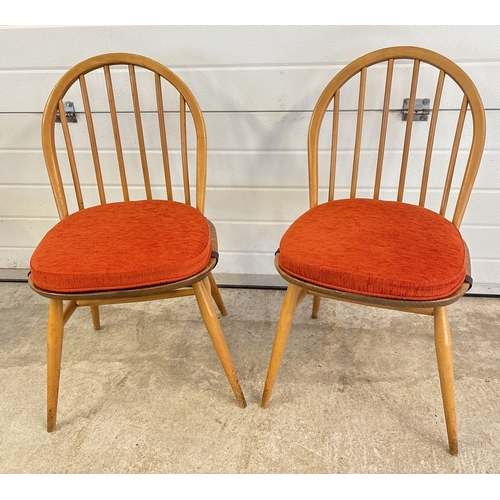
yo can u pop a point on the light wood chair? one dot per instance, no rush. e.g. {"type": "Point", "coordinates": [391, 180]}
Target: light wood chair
{"type": "Point", "coordinates": [123, 236]}
{"type": "Point", "coordinates": [387, 235]}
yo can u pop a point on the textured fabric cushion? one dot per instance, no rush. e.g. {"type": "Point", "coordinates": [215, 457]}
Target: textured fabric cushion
{"type": "Point", "coordinates": [122, 245]}
{"type": "Point", "coordinates": [377, 248]}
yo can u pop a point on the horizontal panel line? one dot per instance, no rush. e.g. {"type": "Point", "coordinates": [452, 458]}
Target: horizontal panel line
{"type": "Point", "coordinates": [158, 186]}
{"type": "Point", "coordinates": [197, 68]}
{"type": "Point", "coordinates": [203, 68]}
{"type": "Point", "coordinates": [413, 150]}
{"type": "Point", "coordinates": [30, 218]}
{"type": "Point", "coordinates": [36, 71]}
{"type": "Point", "coordinates": [231, 187]}
{"type": "Point", "coordinates": [236, 252]}
{"type": "Point", "coordinates": [303, 151]}
{"type": "Point", "coordinates": [17, 248]}
{"type": "Point", "coordinates": [481, 226]}
{"type": "Point", "coordinates": [231, 111]}
{"type": "Point", "coordinates": [246, 152]}
{"type": "Point", "coordinates": [484, 259]}
{"type": "Point", "coordinates": [249, 222]}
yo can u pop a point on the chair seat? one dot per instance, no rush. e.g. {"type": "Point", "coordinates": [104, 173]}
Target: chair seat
{"type": "Point", "coordinates": [378, 248]}
{"type": "Point", "coordinates": [122, 245]}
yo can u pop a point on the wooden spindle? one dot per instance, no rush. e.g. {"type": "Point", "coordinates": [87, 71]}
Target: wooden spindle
{"type": "Point", "coordinates": [71, 155]}
{"type": "Point", "coordinates": [430, 139]}
{"type": "Point", "coordinates": [334, 150]}
{"type": "Point", "coordinates": [383, 128]}
{"type": "Point", "coordinates": [409, 123]}
{"type": "Point", "coordinates": [140, 131]}
{"type": "Point", "coordinates": [359, 131]}
{"type": "Point", "coordinates": [92, 139]}
{"type": "Point", "coordinates": [163, 136]}
{"type": "Point", "coordinates": [185, 167]}
{"type": "Point", "coordinates": [116, 132]}
{"type": "Point", "coordinates": [453, 156]}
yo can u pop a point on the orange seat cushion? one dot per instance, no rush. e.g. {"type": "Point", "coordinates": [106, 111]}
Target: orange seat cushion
{"type": "Point", "coordinates": [122, 245]}
{"type": "Point", "coordinates": [377, 248]}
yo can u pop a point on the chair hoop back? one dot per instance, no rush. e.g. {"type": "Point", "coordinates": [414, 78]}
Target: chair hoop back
{"type": "Point", "coordinates": [380, 144]}
{"type": "Point", "coordinates": [107, 100]}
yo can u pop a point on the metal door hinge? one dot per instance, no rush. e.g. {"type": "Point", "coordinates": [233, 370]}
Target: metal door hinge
{"type": "Point", "coordinates": [421, 111]}
{"type": "Point", "coordinates": [69, 109]}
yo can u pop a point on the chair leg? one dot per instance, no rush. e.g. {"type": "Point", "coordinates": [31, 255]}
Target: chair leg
{"type": "Point", "coordinates": [94, 311]}
{"type": "Point", "coordinates": [216, 295]}
{"type": "Point", "coordinates": [290, 301]}
{"type": "Point", "coordinates": [444, 355]}
{"type": "Point", "coordinates": [215, 331]}
{"type": "Point", "coordinates": [315, 309]}
{"type": "Point", "coordinates": [55, 331]}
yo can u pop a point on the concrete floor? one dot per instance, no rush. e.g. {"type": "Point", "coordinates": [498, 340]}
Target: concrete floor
{"type": "Point", "coordinates": [357, 392]}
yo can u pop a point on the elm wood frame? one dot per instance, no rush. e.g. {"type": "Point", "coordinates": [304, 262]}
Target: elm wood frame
{"type": "Point", "coordinates": [297, 289]}
{"type": "Point", "coordinates": [202, 285]}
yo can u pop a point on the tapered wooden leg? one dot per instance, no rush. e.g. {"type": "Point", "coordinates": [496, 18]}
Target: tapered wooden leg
{"type": "Point", "coordinates": [215, 331]}
{"type": "Point", "coordinates": [94, 311]}
{"type": "Point", "coordinates": [290, 301]}
{"type": "Point", "coordinates": [444, 354]}
{"type": "Point", "coordinates": [315, 309]}
{"type": "Point", "coordinates": [55, 330]}
{"type": "Point", "coordinates": [216, 295]}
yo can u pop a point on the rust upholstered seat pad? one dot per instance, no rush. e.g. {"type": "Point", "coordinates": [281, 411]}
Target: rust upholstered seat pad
{"type": "Point", "coordinates": [122, 245]}
{"type": "Point", "coordinates": [378, 248]}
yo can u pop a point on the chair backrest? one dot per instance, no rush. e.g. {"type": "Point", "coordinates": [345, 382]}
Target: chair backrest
{"type": "Point", "coordinates": [368, 149]}
{"type": "Point", "coordinates": [118, 149]}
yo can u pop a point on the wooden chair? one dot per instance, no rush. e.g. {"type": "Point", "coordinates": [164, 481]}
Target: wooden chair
{"type": "Point", "coordinates": [387, 236]}
{"type": "Point", "coordinates": [122, 236]}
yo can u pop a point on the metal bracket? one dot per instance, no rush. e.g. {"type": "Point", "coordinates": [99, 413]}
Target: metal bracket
{"type": "Point", "coordinates": [421, 111]}
{"type": "Point", "coordinates": [69, 109]}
